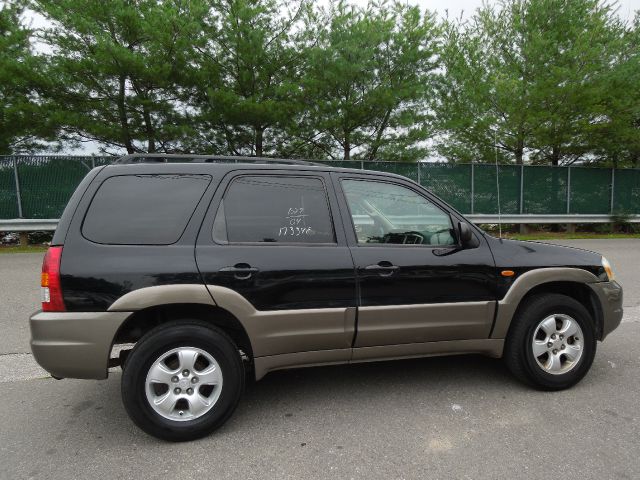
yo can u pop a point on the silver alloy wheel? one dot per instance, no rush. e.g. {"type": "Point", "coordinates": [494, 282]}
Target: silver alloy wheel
{"type": "Point", "coordinates": [558, 344]}
{"type": "Point", "coordinates": [183, 383]}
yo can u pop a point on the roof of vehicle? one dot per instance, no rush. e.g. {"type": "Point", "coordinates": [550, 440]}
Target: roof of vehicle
{"type": "Point", "coordinates": [232, 162]}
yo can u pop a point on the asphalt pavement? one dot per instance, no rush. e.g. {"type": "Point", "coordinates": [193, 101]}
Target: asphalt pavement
{"type": "Point", "coordinates": [438, 418]}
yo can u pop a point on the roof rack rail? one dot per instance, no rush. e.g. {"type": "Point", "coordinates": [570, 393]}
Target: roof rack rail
{"type": "Point", "coordinates": [181, 158]}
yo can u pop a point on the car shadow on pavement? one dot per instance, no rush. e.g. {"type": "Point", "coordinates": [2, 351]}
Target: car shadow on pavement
{"type": "Point", "coordinates": [354, 392]}
{"type": "Point", "coordinates": [464, 371]}
{"type": "Point", "coordinates": [309, 389]}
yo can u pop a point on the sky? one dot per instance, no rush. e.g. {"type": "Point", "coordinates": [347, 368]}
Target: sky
{"type": "Point", "coordinates": [454, 8]}
{"type": "Point", "coordinates": [466, 7]}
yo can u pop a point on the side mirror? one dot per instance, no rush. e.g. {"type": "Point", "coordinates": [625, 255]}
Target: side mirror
{"type": "Point", "coordinates": [467, 239]}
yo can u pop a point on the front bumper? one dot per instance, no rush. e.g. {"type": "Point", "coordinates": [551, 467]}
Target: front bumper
{"type": "Point", "coordinates": [610, 296]}
{"type": "Point", "coordinates": [74, 344]}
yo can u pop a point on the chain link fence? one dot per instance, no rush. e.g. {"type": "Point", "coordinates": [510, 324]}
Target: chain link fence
{"type": "Point", "coordinates": [38, 187]}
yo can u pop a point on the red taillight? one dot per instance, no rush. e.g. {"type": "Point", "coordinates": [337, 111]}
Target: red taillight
{"type": "Point", "coordinates": [51, 290]}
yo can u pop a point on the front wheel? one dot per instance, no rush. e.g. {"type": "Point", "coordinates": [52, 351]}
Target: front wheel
{"type": "Point", "coordinates": [182, 381]}
{"type": "Point", "coordinates": [551, 343]}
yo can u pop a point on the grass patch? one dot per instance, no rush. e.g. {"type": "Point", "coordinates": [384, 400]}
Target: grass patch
{"type": "Point", "coordinates": [23, 249]}
{"type": "Point", "coordinates": [568, 236]}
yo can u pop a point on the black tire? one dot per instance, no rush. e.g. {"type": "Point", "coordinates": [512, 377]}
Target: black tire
{"type": "Point", "coordinates": [519, 355]}
{"type": "Point", "coordinates": [162, 339]}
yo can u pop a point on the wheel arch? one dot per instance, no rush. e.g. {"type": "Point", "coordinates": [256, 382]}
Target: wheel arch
{"type": "Point", "coordinates": [578, 291]}
{"type": "Point", "coordinates": [143, 320]}
{"type": "Point", "coordinates": [572, 282]}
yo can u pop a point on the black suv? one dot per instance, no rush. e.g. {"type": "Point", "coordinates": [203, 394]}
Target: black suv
{"type": "Point", "coordinates": [215, 267]}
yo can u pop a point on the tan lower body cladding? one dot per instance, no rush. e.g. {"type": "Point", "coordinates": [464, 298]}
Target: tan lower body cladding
{"type": "Point", "coordinates": [304, 338]}
{"type": "Point", "coordinates": [275, 332]}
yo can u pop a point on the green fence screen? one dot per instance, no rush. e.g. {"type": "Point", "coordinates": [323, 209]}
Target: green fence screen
{"type": "Point", "coordinates": [40, 186]}
{"type": "Point", "coordinates": [450, 182]}
{"type": "Point", "coordinates": [545, 190]}
{"type": "Point", "coordinates": [485, 198]}
{"type": "Point", "coordinates": [626, 191]}
{"type": "Point", "coordinates": [46, 184]}
{"type": "Point", "coordinates": [8, 195]}
{"type": "Point", "coordinates": [591, 190]}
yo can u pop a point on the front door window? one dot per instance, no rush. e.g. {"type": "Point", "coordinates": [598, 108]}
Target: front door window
{"type": "Point", "coordinates": [392, 214]}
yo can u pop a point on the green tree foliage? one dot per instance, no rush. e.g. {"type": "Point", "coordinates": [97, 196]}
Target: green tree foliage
{"type": "Point", "coordinates": [367, 81]}
{"type": "Point", "coordinates": [614, 136]}
{"type": "Point", "coordinates": [546, 81]}
{"type": "Point", "coordinates": [246, 74]}
{"type": "Point", "coordinates": [534, 74]}
{"type": "Point", "coordinates": [117, 69]}
{"type": "Point", "coordinates": [578, 43]}
{"type": "Point", "coordinates": [467, 113]}
{"type": "Point", "coordinates": [25, 121]}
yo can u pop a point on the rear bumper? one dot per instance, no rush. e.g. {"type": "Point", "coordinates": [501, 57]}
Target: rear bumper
{"type": "Point", "coordinates": [610, 296]}
{"type": "Point", "coordinates": [74, 344]}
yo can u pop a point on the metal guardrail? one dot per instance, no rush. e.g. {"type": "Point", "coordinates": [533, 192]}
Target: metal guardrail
{"type": "Point", "coordinates": [478, 219]}
{"type": "Point", "coordinates": [545, 219]}
{"type": "Point", "coordinates": [49, 224]}
{"type": "Point", "coordinates": [28, 225]}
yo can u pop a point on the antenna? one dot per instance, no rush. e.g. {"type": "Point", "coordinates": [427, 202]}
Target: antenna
{"type": "Point", "coordinates": [495, 144]}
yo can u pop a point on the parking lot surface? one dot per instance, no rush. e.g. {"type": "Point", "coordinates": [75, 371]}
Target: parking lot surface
{"type": "Point", "coordinates": [438, 418]}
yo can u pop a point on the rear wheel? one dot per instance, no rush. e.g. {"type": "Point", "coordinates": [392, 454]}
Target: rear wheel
{"type": "Point", "coordinates": [182, 380]}
{"type": "Point", "coordinates": [551, 343]}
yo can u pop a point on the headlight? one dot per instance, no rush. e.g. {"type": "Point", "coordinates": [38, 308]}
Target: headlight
{"type": "Point", "coordinates": [607, 268]}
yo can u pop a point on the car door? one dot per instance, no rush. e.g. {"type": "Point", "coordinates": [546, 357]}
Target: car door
{"type": "Point", "coordinates": [415, 282]}
{"type": "Point", "coordinates": [271, 254]}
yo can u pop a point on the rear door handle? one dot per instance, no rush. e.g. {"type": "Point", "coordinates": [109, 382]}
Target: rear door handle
{"type": "Point", "coordinates": [241, 271]}
{"type": "Point", "coordinates": [384, 268]}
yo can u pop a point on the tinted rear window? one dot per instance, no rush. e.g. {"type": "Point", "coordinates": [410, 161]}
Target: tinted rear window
{"type": "Point", "coordinates": [275, 210]}
{"type": "Point", "coordinates": [143, 209]}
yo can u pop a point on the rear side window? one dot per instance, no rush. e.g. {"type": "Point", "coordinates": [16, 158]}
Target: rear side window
{"type": "Point", "coordinates": [143, 209]}
{"type": "Point", "coordinates": [274, 209]}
